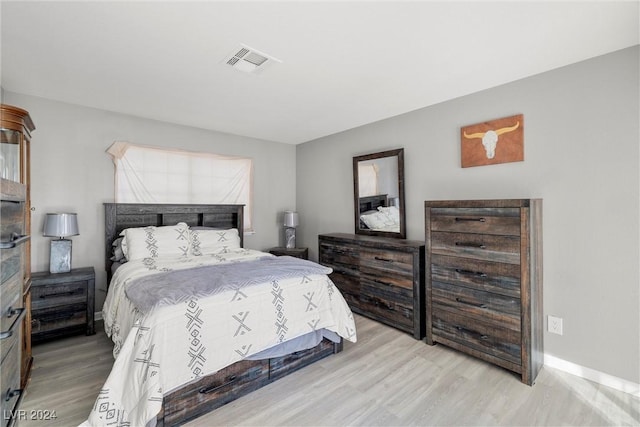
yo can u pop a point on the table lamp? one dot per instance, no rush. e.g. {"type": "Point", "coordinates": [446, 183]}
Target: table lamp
{"type": "Point", "coordinates": [60, 225]}
{"type": "Point", "coordinates": [290, 224]}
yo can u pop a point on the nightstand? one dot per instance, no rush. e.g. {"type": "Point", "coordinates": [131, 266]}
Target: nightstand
{"type": "Point", "coordinates": [62, 304]}
{"type": "Point", "coordinates": [294, 252]}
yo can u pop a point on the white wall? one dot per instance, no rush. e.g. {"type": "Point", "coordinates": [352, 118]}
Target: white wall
{"type": "Point", "coordinates": [581, 157]}
{"type": "Point", "coordinates": [70, 171]}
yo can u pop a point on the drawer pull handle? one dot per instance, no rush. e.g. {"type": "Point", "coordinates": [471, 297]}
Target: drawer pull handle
{"type": "Point", "coordinates": [377, 258]}
{"type": "Point", "coordinates": [12, 393]}
{"type": "Point", "coordinates": [461, 301]}
{"type": "Point", "coordinates": [481, 336]}
{"type": "Point", "coordinates": [471, 245]}
{"type": "Point", "coordinates": [9, 332]}
{"type": "Point", "coordinates": [60, 294]}
{"type": "Point", "coordinates": [14, 241]}
{"type": "Point", "coordinates": [473, 273]}
{"type": "Point", "coordinates": [470, 219]}
{"type": "Point", "coordinates": [211, 389]}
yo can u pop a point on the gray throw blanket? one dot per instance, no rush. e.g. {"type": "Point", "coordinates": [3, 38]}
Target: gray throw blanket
{"type": "Point", "coordinates": [177, 286]}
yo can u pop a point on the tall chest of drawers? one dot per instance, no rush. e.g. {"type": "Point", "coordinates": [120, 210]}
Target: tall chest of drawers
{"type": "Point", "coordinates": [380, 277]}
{"type": "Point", "coordinates": [484, 280]}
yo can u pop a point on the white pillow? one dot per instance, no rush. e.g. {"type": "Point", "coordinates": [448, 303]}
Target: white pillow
{"type": "Point", "coordinates": [210, 242]}
{"type": "Point", "coordinates": [376, 220]}
{"type": "Point", "coordinates": [154, 242]}
{"type": "Point", "coordinates": [392, 212]}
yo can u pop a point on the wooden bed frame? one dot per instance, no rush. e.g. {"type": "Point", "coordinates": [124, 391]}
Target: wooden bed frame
{"type": "Point", "coordinates": [210, 392]}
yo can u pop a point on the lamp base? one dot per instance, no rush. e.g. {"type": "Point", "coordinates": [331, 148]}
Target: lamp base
{"type": "Point", "coordinates": [60, 259]}
{"type": "Point", "coordinates": [290, 237]}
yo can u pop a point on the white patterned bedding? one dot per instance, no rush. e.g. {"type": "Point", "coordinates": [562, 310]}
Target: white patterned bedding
{"type": "Point", "coordinates": [173, 345]}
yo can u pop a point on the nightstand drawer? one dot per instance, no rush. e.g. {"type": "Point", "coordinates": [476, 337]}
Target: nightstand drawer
{"type": "Point", "coordinates": [58, 294]}
{"type": "Point", "coordinates": [58, 318]}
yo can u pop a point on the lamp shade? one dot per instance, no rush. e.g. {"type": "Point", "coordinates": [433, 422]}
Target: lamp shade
{"type": "Point", "coordinates": [290, 219]}
{"type": "Point", "coordinates": [61, 225]}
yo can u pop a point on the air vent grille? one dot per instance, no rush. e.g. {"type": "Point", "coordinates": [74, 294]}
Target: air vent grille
{"type": "Point", "coordinates": [249, 60]}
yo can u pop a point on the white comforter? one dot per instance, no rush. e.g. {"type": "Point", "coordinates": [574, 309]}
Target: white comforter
{"type": "Point", "coordinates": [173, 345]}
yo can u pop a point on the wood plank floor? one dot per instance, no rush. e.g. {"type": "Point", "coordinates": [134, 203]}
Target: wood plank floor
{"type": "Point", "coordinates": [386, 379]}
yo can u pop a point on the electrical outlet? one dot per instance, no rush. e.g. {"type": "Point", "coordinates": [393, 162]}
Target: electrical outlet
{"type": "Point", "coordinates": [554, 325]}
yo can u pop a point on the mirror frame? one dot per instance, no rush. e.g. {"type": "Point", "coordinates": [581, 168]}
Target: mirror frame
{"type": "Point", "coordinates": [356, 187]}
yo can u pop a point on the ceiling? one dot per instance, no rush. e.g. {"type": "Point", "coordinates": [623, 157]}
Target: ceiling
{"type": "Point", "coordinates": [343, 63]}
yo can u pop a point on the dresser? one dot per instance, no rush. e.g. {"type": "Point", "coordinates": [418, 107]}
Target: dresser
{"type": "Point", "coordinates": [484, 280]}
{"type": "Point", "coordinates": [62, 303]}
{"type": "Point", "coordinates": [381, 278]}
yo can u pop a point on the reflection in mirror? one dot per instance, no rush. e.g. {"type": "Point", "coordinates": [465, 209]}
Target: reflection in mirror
{"type": "Point", "coordinates": [378, 180]}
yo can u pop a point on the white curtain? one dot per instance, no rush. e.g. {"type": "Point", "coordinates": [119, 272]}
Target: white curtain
{"type": "Point", "coordinates": [146, 174]}
{"type": "Point", "coordinates": [367, 179]}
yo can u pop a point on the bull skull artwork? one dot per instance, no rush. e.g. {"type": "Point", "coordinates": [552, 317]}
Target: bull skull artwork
{"type": "Point", "coordinates": [490, 138]}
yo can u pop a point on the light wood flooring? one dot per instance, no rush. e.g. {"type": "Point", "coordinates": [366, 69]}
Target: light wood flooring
{"type": "Point", "coordinates": [386, 379]}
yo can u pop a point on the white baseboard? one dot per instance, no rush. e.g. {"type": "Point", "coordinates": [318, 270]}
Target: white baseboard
{"type": "Point", "coordinates": [620, 384]}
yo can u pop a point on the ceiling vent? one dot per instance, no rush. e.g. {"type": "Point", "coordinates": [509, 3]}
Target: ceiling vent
{"type": "Point", "coordinates": [249, 60]}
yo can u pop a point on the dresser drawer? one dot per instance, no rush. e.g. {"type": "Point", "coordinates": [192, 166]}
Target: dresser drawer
{"type": "Point", "coordinates": [387, 307]}
{"type": "Point", "coordinates": [54, 295]}
{"type": "Point", "coordinates": [349, 286]}
{"type": "Point", "coordinates": [10, 299]}
{"type": "Point", "coordinates": [490, 307]}
{"type": "Point", "coordinates": [11, 263]}
{"type": "Point", "coordinates": [489, 276]}
{"type": "Point", "coordinates": [501, 221]}
{"type": "Point", "coordinates": [481, 336]}
{"type": "Point", "coordinates": [486, 247]}
{"type": "Point", "coordinates": [389, 263]}
{"type": "Point", "coordinates": [9, 377]}
{"type": "Point", "coordinates": [339, 257]}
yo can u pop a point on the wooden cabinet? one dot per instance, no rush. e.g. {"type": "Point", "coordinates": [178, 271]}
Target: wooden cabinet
{"type": "Point", "coordinates": [302, 253]}
{"type": "Point", "coordinates": [12, 309]}
{"type": "Point", "coordinates": [15, 270]}
{"type": "Point", "coordinates": [62, 303]}
{"type": "Point", "coordinates": [484, 280]}
{"type": "Point", "coordinates": [379, 277]}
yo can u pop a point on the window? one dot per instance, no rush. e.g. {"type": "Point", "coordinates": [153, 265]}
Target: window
{"type": "Point", "coordinates": [147, 174]}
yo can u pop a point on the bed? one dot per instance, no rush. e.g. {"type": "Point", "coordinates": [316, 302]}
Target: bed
{"type": "Point", "coordinates": [183, 349]}
{"type": "Point", "coordinates": [376, 215]}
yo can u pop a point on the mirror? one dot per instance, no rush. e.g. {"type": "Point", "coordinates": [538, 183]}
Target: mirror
{"type": "Point", "coordinates": [378, 185]}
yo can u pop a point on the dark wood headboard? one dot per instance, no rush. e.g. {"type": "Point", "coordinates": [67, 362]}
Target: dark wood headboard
{"type": "Point", "coordinates": [371, 203]}
{"type": "Point", "coordinates": [118, 216]}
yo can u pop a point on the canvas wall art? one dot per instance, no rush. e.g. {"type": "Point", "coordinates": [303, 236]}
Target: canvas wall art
{"type": "Point", "coordinates": [492, 142]}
